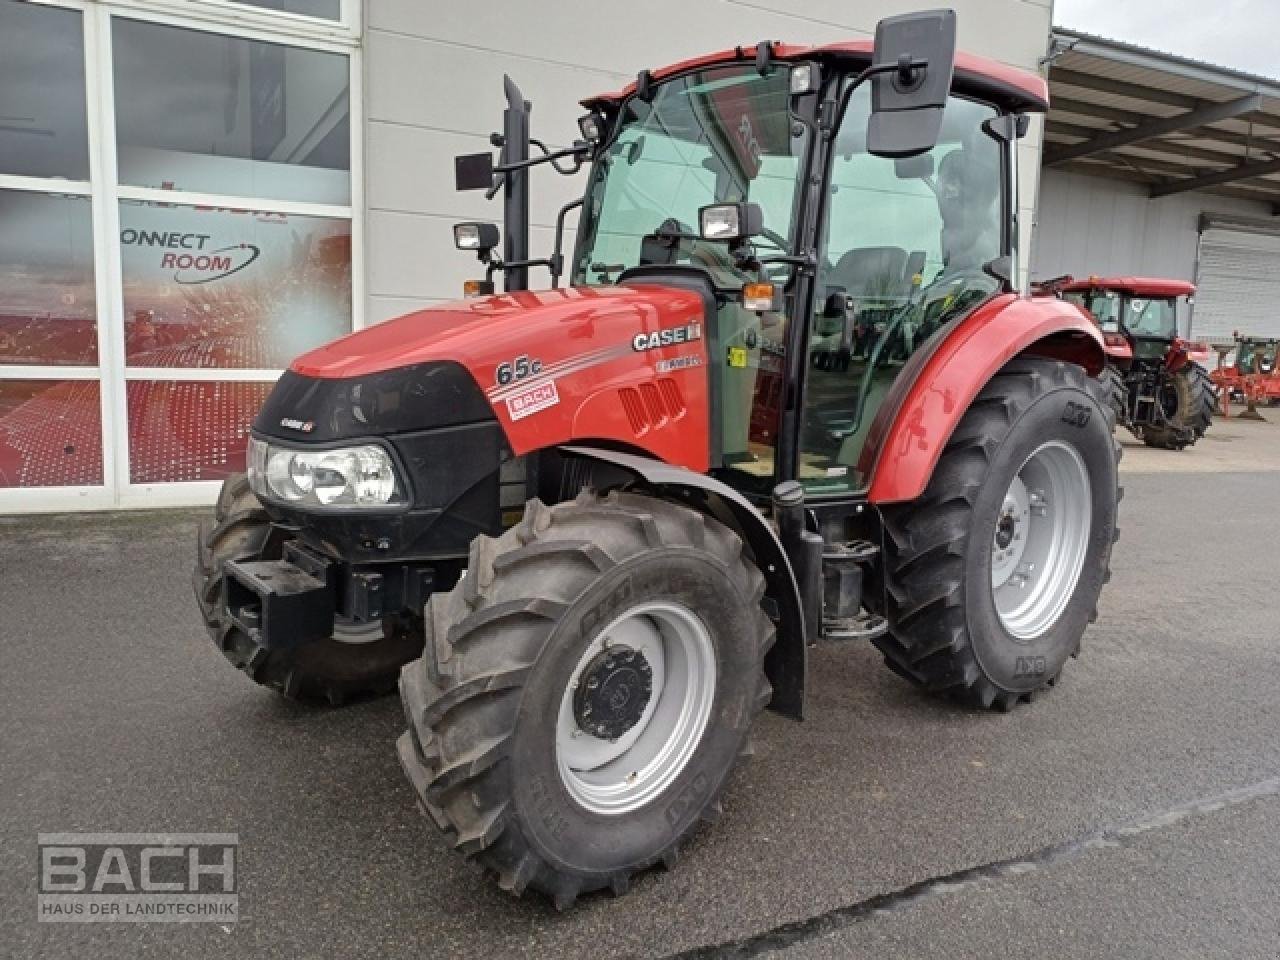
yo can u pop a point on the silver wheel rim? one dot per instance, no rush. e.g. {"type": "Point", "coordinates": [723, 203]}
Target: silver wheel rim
{"type": "Point", "coordinates": [619, 776]}
{"type": "Point", "coordinates": [1040, 540]}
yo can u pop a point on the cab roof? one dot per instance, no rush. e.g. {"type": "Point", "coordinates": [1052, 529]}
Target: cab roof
{"type": "Point", "coordinates": [1014, 89]}
{"type": "Point", "coordinates": [1134, 286]}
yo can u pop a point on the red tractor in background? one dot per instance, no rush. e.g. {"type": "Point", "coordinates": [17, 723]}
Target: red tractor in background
{"type": "Point", "coordinates": [1157, 381]}
{"type": "Point", "coordinates": [791, 396]}
{"type": "Point", "coordinates": [1253, 377]}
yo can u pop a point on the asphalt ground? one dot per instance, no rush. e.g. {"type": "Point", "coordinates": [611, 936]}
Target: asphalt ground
{"type": "Point", "coordinates": [1133, 811]}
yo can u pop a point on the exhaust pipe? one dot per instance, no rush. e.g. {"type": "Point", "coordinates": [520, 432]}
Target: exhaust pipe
{"type": "Point", "coordinates": [515, 189]}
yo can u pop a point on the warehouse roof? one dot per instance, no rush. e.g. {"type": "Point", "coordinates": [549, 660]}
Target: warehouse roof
{"type": "Point", "coordinates": [1172, 123]}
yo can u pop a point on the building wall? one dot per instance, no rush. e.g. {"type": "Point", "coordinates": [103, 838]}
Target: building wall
{"type": "Point", "coordinates": [1092, 225]}
{"type": "Point", "coordinates": [433, 89]}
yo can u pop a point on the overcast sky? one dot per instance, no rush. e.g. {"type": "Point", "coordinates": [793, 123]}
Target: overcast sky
{"type": "Point", "coordinates": [1242, 34]}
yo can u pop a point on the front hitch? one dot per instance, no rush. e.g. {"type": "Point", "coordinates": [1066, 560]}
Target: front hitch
{"type": "Point", "coordinates": [282, 603]}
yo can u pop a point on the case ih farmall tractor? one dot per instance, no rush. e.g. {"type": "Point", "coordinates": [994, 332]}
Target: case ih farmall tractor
{"type": "Point", "coordinates": [790, 397]}
{"type": "Point", "coordinates": [1156, 380]}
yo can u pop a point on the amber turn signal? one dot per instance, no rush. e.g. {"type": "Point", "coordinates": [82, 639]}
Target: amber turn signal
{"type": "Point", "coordinates": [759, 296]}
{"type": "Point", "coordinates": [477, 288]}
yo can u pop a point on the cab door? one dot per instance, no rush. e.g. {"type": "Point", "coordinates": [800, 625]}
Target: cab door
{"type": "Point", "coordinates": [901, 255]}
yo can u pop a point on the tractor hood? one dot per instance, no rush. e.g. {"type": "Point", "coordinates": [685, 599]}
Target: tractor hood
{"type": "Point", "coordinates": [547, 327]}
{"type": "Point", "coordinates": [550, 367]}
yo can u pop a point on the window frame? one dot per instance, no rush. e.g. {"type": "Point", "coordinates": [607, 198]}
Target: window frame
{"type": "Point", "coordinates": [105, 193]}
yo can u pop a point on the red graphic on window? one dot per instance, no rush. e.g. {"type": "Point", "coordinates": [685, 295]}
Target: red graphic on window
{"type": "Point", "coordinates": [189, 431]}
{"type": "Point", "coordinates": [50, 433]}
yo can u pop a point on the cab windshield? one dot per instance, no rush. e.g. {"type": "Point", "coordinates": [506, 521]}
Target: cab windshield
{"type": "Point", "coordinates": [1155, 317]}
{"type": "Point", "coordinates": [714, 136]}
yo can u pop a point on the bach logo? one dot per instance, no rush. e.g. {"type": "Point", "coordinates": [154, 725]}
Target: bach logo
{"type": "Point", "coordinates": [138, 878]}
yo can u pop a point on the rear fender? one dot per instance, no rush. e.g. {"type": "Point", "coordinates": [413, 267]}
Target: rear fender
{"type": "Point", "coordinates": [786, 663]}
{"type": "Point", "coordinates": [943, 377]}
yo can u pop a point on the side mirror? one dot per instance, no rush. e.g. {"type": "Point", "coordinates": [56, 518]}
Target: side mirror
{"type": "Point", "coordinates": [907, 100]}
{"type": "Point", "coordinates": [730, 221]}
{"type": "Point", "coordinates": [480, 237]}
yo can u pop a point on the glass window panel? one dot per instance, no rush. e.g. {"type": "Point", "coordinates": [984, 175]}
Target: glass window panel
{"type": "Point", "coordinates": [50, 433]}
{"type": "Point", "coordinates": [216, 114]}
{"type": "Point", "coordinates": [47, 308]}
{"type": "Point", "coordinates": [189, 431]}
{"type": "Point", "coordinates": [231, 289]}
{"type": "Point", "coordinates": [323, 9]}
{"type": "Point", "coordinates": [43, 132]}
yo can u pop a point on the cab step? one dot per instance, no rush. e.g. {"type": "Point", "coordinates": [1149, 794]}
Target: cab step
{"type": "Point", "coordinates": [865, 626]}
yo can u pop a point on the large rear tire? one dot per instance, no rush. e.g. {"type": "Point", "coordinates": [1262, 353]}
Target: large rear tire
{"type": "Point", "coordinates": [993, 574]}
{"type": "Point", "coordinates": [560, 765]}
{"type": "Point", "coordinates": [355, 662]}
{"type": "Point", "coordinates": [1117, 393]}
{"type": "Point", "coordinates": [1192, 405]}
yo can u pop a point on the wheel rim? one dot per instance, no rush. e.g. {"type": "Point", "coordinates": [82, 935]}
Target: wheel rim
{"type": "Point", "coordinates": [1040, 541]}
{"type": "Point", "coordinates": [616, 776]}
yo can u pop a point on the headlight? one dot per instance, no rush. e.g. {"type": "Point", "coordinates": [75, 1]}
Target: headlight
{"type": "Point", "coordinates": [362, 476]}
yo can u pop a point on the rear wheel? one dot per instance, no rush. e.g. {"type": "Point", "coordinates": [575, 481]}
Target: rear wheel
{"type": "Point", "coordinates": [1117, 393]}
{"type": "Point", "coordinates": [358, 660]}
{"type": "Point", "coordinates": [585, 691]}
{"type": "Point", "coordinates": [1187, 401]}
{"type": "Point", "coordinates": [993, 575]}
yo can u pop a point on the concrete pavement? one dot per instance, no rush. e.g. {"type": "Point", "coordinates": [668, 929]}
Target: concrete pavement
{"type": "Point", "coordinates": [119, 715]}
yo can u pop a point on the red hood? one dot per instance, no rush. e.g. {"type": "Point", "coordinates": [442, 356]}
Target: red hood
{"type": "Point", "coordinates": [480, 333]}
{"type": "Point", "coordinates": [558, 366]}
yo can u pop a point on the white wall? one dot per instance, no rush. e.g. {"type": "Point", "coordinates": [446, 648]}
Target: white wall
{"type": "Point", "coordinates": [433, 88]}
{"type": "Point", "coordinates": [1091, 225]}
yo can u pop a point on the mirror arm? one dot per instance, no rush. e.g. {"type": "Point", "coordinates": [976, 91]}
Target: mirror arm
{"type": "Point", "coordinates": [873, 71]}
{"type": "Point", "coordinates": [577, 152]}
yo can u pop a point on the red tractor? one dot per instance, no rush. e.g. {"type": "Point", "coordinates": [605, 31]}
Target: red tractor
{"type": "Point", "coordinates": [791, 396]}
{"type": "Point", "coordinates": [1156, 380]}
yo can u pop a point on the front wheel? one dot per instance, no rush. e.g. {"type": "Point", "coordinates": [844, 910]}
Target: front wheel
{"type": "Point", "coordinates": [356, 661]}
{"type": "Point", "coordinates": [993, 575]}
{"type": "Point", "coordinates": [585, 691]}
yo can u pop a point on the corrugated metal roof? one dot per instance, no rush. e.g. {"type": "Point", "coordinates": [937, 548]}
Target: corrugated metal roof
{"type": "Point", "coordinates": [1112, 92]}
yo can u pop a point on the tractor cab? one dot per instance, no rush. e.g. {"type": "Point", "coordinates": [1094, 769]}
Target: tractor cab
{"type": "Point", "coordinates": [832, 219]}
{"type": "Point", "coordinates": [1141, 312]}
{"type": "Point", "coordinates": [868, 262]}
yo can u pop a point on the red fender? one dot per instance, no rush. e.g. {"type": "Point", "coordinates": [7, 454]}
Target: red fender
{"type": "Point", "coordinates": [937, 385]}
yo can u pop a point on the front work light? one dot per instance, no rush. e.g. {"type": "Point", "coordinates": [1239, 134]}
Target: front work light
{"type": "Point", "coordinates": [730, 221]}
{"type": "Point", "coordinates": [592, 127]}
{"type": "Point", "coordinates": [804, 79]}
{"type": "Point", "coordinates": [480, 237]}
{"type": "Point", "coordinates": [336, 479]}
